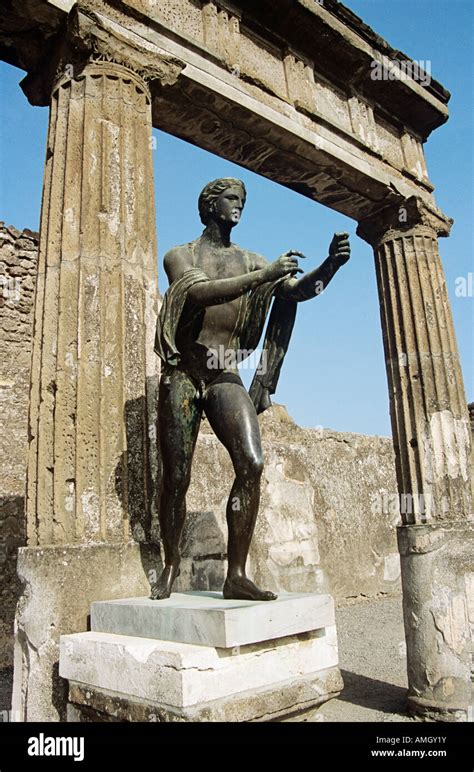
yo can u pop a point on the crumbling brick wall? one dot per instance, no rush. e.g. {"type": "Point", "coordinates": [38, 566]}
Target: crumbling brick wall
{"type": "Point", "coordinates": [18, 261]}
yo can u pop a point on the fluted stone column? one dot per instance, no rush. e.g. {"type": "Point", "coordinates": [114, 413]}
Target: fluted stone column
{"type": "Point", "coordinates": [97, 280]}
{"type": "Point", "coordinates": [92, 430]}
{"type": "Point", "coordinates": [431, 436]}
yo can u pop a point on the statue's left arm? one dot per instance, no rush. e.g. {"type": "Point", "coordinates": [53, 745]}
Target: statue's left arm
{"type": "Point", "coordinates": [314, 282]}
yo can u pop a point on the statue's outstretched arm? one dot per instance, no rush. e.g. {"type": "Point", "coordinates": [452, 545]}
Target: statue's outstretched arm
{"type": "Point", "coordinates": [314, 282]}
{"type": "Point", "coordinates": [217, 291]}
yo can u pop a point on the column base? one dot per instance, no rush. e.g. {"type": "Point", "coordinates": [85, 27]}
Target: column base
{"type": "Point", "coordinates": [436, 560]}
{"type": "Point", "coordinates": [428, 711]}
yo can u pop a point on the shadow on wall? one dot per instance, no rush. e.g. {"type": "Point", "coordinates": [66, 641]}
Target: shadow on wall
{"type": "Point", "coordinates": [12, 536]}
{"type": "Point", "coordinates": [204, 557]}
{"type": "Point", "coordinates": [138, 478]}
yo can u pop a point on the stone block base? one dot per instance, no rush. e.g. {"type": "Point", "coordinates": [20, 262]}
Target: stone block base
{"type": "Point", "coordinates": [284, 700]}
{"type": "Point", "coordinates": [60, 583]}
{"type": "Point", "coordinates": [115, 677]}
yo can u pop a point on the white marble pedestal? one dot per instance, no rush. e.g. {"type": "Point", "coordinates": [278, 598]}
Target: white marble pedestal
{"type": "Point", "coordinates": [198, 657]}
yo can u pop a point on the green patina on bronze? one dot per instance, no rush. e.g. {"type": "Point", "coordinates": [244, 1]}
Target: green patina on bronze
{"type": "Point", "coordinates": [277, 338]}
{"type": "Point", "coordinates": [219, 298]}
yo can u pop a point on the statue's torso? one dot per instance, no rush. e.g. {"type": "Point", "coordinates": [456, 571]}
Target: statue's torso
{"type": "Point", "coordinates": [220, 324]}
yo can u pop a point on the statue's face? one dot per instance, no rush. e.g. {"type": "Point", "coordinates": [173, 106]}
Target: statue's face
{"type": "Point", "coordinates": [228, 207]}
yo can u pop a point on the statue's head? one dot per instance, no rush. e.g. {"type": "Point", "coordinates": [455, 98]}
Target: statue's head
{"type": "Point", "coordinates": [222, 199]}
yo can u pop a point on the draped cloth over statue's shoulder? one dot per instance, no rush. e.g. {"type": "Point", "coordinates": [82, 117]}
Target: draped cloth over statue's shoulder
{"type": "Point", "coordinates": [276, 341]}
{"type": "Point", "coordinates": [170, 315]}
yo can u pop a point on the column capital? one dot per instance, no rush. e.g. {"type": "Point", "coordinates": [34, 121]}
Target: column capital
{"type": "Point", "coordinates": [399, 219]}
{"type": "Point", "coordinates": [91, 37]}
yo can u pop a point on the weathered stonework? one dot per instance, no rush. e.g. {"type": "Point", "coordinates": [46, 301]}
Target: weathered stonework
{"type": "Point", "coordinates": [470, 408]}
{"type": "Point", "coordinates": [18, 261]}
{"type": "Point", "coordinates": [432, 440]}
{"type": "Point", "coordinates": [436, 561]}
{"type": "Point", "coordinates": [428, 404]}
{"type": "Point", "coordinates": [86, 483]}
{"type": "Point", "coordinates": [323, 523]}
{"type": "Point", "coordinates": [470, 569]}
{"type": "Point", "coordinates": [187, 682]}
{"type": "Point", "coordinates": [59, 584]}
{"type": "Point", "coordinates": [88, 704]}
{"type": "Point", "coordinates": [286, 90]}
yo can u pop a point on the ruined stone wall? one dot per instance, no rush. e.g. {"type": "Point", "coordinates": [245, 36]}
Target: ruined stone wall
{"type": "Point", "coordinates": [328, 514]}
{"type": "Point", "coordinates": [18, 257]}
{"type": "Point", "coordinates": [470, 568]}
{"type": "Point", "coordinates": [471, 418]}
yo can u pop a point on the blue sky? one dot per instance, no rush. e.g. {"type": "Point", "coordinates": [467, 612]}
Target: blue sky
{"type": "Point", "coordinates": [334, 374]}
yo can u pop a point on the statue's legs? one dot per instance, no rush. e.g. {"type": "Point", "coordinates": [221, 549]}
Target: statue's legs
{"type": "Point", "coordinates": [232, 416]}
{"type": "Point", "coordinates": [178, 420]}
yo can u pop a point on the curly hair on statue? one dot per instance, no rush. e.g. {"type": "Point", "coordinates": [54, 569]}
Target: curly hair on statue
{"type": "Point", "coordinates": [211, 192]}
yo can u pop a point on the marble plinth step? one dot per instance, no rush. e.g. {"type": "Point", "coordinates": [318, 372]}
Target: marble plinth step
{"type": "Point", "coordinates": [181, 675]}
{"type": "Point", "coordinates": [206, 618]}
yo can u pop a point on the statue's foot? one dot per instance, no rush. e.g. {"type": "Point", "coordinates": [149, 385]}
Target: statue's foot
{"type": "Point", "coordinates": [162, 588]}
{"type": "Point", "coordinates": [241, 588]}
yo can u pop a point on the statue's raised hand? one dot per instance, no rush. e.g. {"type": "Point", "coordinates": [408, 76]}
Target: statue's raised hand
{"type": "Point", "coordinates": [284, 265]}
{"type": "Point", "coordinates": [340, 249]}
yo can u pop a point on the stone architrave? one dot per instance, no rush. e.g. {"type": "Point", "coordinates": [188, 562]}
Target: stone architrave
{"type": "Point", "coordinates": [432, 450]}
